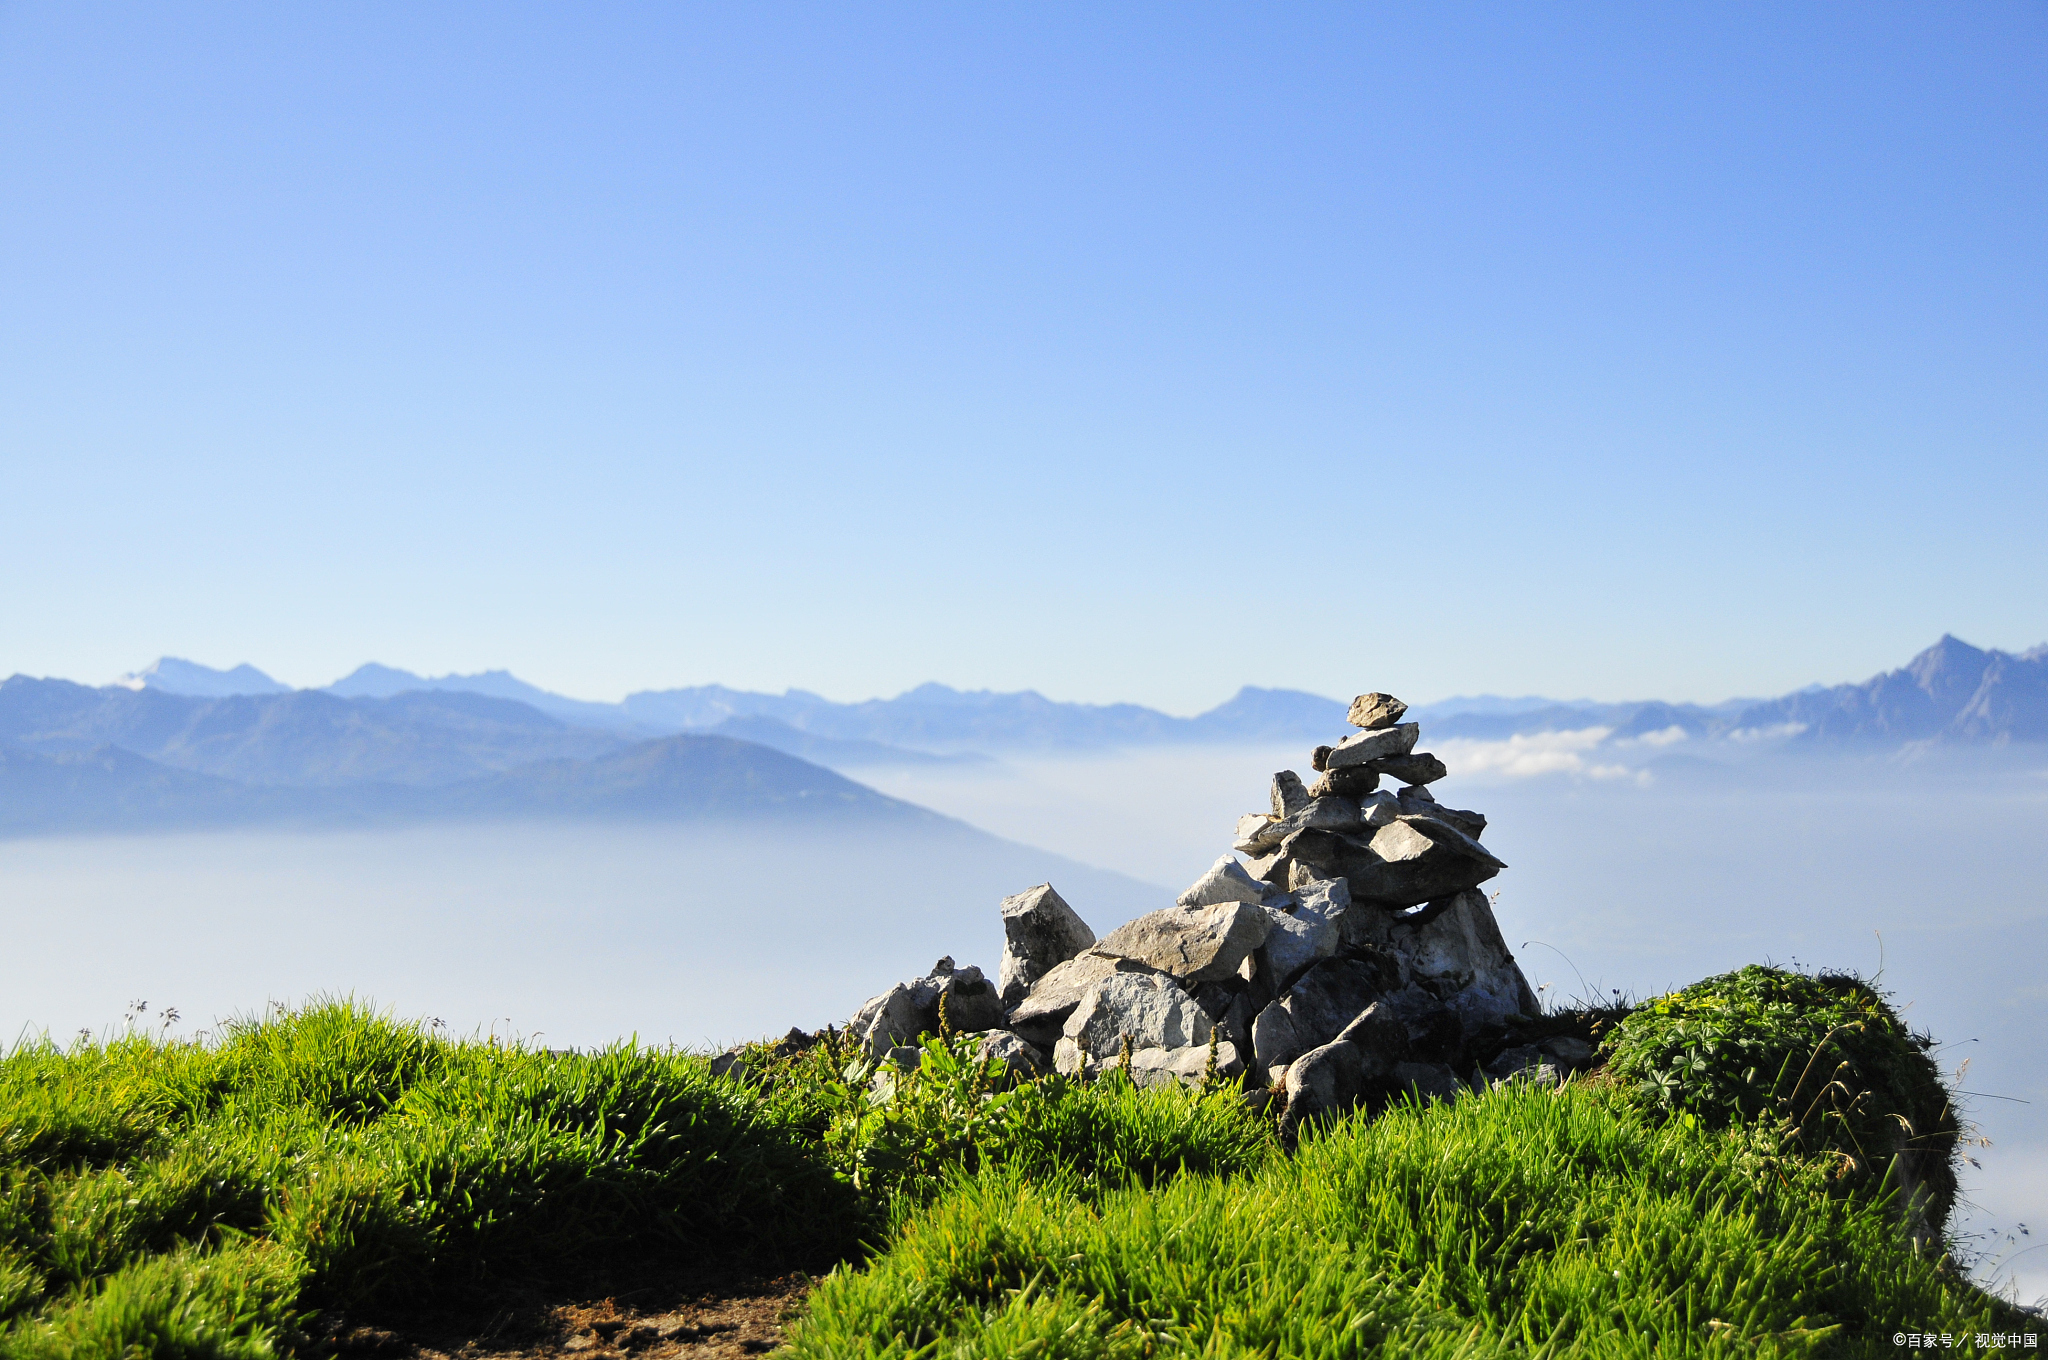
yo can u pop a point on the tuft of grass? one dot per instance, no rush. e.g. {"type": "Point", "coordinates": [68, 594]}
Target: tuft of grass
{"type": "Point", "coordinates": [1824, 1058]}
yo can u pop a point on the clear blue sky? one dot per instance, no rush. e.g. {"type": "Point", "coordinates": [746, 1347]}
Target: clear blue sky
{"type": "Point", "coordinates": [1124, 352]}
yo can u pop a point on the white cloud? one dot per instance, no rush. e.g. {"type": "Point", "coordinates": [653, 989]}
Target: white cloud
{"type": "Point", "coordinates": [1777, 732]}
{"type": "Point", "coordinates": [1533, 753]}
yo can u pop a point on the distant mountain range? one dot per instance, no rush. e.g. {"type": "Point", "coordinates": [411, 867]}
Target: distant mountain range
{"type": "Point", "coordinates": [1950, 692]}
{"type": "Point", "coordinates": [181, 744]}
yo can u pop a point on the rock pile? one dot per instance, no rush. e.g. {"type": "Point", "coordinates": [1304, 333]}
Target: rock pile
{"type": "Point", "coordinates": [1347, 957]}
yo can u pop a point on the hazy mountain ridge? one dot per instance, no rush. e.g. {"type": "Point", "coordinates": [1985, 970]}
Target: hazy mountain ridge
{"type": "Point", "coordinates": [300, 737]}
{"type": "Point", "coordinates": [685, 778]}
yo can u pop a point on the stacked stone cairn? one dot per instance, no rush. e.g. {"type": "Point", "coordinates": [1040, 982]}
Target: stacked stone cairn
{"type": "Point", "coordinates": [1348, 958]}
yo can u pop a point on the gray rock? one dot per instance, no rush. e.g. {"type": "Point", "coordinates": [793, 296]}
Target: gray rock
{"type": "Point", "coordinates": [1375, 711]}
{"type": "Point", "coordinates": [1258, 834]}
{"type": "Point", "coordinates": [1429, 1081]}
{"type": "Point", "coordinates": [1535, 1074]}
{"type": "Point", "coordinates": [1320, 851]}
{"type": "Point", "coordinates": [1293, 944]}
{"type": "Point", "coordinates": [1290, 795]}
{"type": "Point", "coordinates": [1416, 801]}
{"type": "Point", "coordinates": [910, 1010]}
{"type": "Point", "coordinates": [1321, 1085]}
{"type": "Point", "coordinates": [1357, 1064]}
{"type": "Point", "coordinates": [1412, 860]}
{"type": "Point", "coordinates": [1040, 1016]}
{"type": "Point", "coordinates": [1455, 960]}
{"type": "Point", "coordinates": [1382, 809]}
{"type": "Point", "coordinates": [899, 1019]}
{"type": "Point", "coordinates": [1315, 1010]}
{"type": "Point", "coordinates": [1185, 1066]}
{"type": "Point", "coordinates": [1353, 781]}
{"type": "Point", "coordinates": [1151, 1010]}
{"type": "Point", "coordinates": [1193, 944]}
{"type": "Point", "coordinates": [1513, 1060]}
{"type": "Point", "coordinates": [972, 1003]}
{"type": "Point", "coordinates": [1439, 829]}
{"type": "Point", "coordinates": [1326, 898]}
{"type": "Point", "coordinates": [1040, 932]}
{"type": "Point", "coordinates": [1417, 767]}
{"type": "Point", "coordinates": [1022, 1060]}
{"type": "Point", "coordinates": [1567, 1052]}
{"type": "Point", "coordinates": [1225, 881]}
{"type": "Point", "coordinates": [1329, 812]}
{"type": "Point", "coordinates": [1382, 1036]}
{"type": "Point", "coordinates": [1362, 748]}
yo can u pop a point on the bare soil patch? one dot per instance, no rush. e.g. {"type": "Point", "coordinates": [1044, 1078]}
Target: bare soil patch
{"type": "Point", "coordinates": [696, 1318]}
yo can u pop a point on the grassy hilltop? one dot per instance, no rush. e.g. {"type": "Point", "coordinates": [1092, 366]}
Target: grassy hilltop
{"type": "Point", "coordinates": [1762, 1166]}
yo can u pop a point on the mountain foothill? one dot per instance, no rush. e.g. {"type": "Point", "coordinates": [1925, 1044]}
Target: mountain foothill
{"type": "Point", "coordinates": [184, 745]}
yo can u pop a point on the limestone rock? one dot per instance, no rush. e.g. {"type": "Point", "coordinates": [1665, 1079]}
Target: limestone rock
{"type": "Point", "coordinates": [1187, 1066]}
{"type": "Point", "coordinates": [1455, 960]}
{"type": "Point", "coordinates": [1306, 930]}
{"type": "Point", "coordinates": [1041, 1014]}
{"type": "Point", "coordinates": [1294, 943]}
{"type": "Point", "coordinates": [1358, 1063]}
{"type": "Point", "coordinates": [1568, 1053]}
{"type": "Point", "coordinates": [1258, 834]}
{"type": "Point", "coordinates": [1192, 944]}
{"type": "Point", "coordinates": [1372, 711]}
{"type": "Point", "coordinates": [1353, 781]}
{"type": "Point", "coordinates": [1320, 851]}
{"type": "Point", "coordinates": [1152, 1010]}
{"type": "Point", "coordinates": [1329, 812]}
{"type": "Point", "coordinates": [1416, 801]}
{"type": "Point", "coordinates": [1440, 830]}
{"type": "Point", "coordinates": [1022, 1060]}
{"type": "Point", "coordinates": [1321, 1084]}
{"type": "Point", "coordinates": [1226, 881]}
{"type": "Point", "coordinates": [1413, 860]}
{"type": "Point", "coordinates": [1040, 932]}
{"type": "Point", "coordinates": [1526, 1064]}
{"type": "Point", "coordinates": [1315, 1010]}
{"type": "Point", "coordinates": [1290, 795]}
{"type": "Point", "coordinates": [1362, 748]}
{"type": "Point", "coordinates": [1380, 810]}
{"type": "Point", "coordinates": [1328, 898]}
{"type": "Point", "coordinates": [1513, 1060]}
{"type": "Point", "coordinates": [1417, 767]}
{"type": "Point", "coordinates": [1381, 1035]}
{"type": "Point", "coordinates": [910, 1010]}
{"type": "Point", "coordinates": [898, 1019]}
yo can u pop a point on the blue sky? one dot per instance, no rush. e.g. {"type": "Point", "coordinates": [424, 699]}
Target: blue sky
{"type": "Point", "coordinates": [1130, 352]}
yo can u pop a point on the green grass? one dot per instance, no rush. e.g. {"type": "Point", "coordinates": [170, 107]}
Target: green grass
{"type": "Point", "coordinates": [164, 1198]}
{"type": "Point", "coordinates": [1522, 1222]}
{"type": "Point", "coordinates": [176, 1198]}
